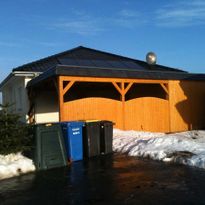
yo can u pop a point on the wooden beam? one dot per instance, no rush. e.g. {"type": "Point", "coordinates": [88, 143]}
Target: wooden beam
{"type": "Point", "coordinates": [127, 88]}
{"type": "Point", "coordinates": [60, 98]}
{"type": "Point", "coordinates": [165, 88]}
{"type": "Point", "coordinates": [123, 105]}
{"type": "Point", "coordinates": [117, 87]}
{"type": "Point", "coordinates": [110, 80]}
{"type": "Point", "coordinates": [123, 87]}
{"type": "Point", "coordinates": [170, 105]}
{"type": "Point", "coordinates": [65, 90]}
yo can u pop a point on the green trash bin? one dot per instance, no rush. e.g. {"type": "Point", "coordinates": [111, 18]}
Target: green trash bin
{"type": "Point", "coordinates": [49, 146]}
{"type": "Point", "coordinates": [106, 136]}
{"type": "Point", "coordinates": [91, 138]}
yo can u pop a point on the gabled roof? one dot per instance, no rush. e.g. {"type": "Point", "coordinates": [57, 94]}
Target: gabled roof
{"type": "Point", "coordinates": [87, 57]}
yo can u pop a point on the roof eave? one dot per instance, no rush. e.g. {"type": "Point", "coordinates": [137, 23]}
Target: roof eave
{"type": "Point", "coordinates": [61, 70]}
{"type": "Point", "coordinates": [19, 74]}
{"type": "Point", "coordinates": [45, 75]}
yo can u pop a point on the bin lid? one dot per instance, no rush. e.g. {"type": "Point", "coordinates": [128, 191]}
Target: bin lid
{"type": "Point", "coordinates": [91, 121]}
{"type": "Point", "coordinates": [73, 123]}
{"type": "Point", "coordinates": [47, 123]}
{"type": "Point", "coordinates": [106, 122]}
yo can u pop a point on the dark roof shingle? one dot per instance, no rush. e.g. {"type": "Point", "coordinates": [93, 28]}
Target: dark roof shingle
{"type": "Point", "coordinates": [82, 56]}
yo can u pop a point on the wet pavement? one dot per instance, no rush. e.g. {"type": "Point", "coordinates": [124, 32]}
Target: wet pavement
{"type": "Point", "coordinates": [111, 179]}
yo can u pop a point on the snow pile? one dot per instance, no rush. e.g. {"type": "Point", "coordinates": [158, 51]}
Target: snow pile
{"type": "Point", "coordinates": [186, 147]}
{"type": "Point", "coordinates": [14, 165]}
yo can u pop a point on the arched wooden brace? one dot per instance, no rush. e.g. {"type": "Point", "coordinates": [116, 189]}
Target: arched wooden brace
{"type": "Point", "coordinates": [123, 90]}
{"type": "Point", "coordinates": [166, 89]}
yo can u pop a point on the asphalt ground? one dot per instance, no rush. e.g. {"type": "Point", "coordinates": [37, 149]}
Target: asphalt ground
{"type": "Point", "coordinates": [110, 179]}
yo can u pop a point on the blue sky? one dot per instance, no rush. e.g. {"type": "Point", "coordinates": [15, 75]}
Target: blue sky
{"type": "Point", "coordinates": [173, 29]}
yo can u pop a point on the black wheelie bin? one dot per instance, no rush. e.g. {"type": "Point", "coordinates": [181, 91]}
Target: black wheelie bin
{"type": "Point", "coordinates": [91, 138]}
{"type": "Point", "coordinates": [106, 136]}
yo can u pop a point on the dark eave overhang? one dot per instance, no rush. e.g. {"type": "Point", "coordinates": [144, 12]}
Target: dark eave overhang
{"type": "Point", "coordinates": [83, 71]}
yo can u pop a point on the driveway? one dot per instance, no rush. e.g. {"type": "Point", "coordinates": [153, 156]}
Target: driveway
{"type": "Point", "coordinates": [111, 179]}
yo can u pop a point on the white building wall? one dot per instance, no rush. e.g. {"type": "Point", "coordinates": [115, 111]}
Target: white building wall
{"type": "Point", "coordinates": [46, 103]}
{"type": "Point", "coordinates": [46, 107]}
{"type": "Point", "coordinates": [15, 93]}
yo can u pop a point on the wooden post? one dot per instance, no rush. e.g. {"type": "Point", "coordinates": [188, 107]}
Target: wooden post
{"type": "Point", "coordinates": [122, 90]}
{"type": "Point", "coordinates": [123, 104]}
{"type": "Point", "coordinates": [61, 92]}
{"type": "Point", "coordinates": [60, 97]}
{"type": "Point", "coordinates": [169, 112]}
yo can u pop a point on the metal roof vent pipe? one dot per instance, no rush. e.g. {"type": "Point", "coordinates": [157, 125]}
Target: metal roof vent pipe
{"type": "Point", "coordinates": [151, 59]}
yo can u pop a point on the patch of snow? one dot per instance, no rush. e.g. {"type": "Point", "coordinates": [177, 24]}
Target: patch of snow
{"type": "Point", "coordinates": [185, 148]}
{"type": "Point", "coordinates": [14, 165]}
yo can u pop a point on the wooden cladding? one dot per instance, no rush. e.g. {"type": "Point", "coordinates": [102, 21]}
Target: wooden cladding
{"type": "Point", "coordinates": [131, 113]}
{"type": "Point", "coordinates": [132, 104]}
{"type": "Point", "coordinates": [147, 114]}
{"type": "Point", "coordinates": [187, 105]}
{"type": "Point", "coordinates": [139, 114]}
{"type": "Point", "coordinates": [93, 108]}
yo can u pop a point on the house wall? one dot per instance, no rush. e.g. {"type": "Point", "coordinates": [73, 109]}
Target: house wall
{"type": "Point", "coordinates": [15, 93]}
{"type": "Point", "coordinates": [187, 105]}
{"type": "Point", "coordinates": [46, 107]}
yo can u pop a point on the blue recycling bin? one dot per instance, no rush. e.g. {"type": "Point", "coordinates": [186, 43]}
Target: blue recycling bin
{"type": "Point", "coordinates": [72, 132]}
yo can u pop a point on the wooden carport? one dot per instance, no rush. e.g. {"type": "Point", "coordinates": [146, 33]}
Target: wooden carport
{"type": "Point", "coordinates": [84, 83]}
{"type": "Point", "coordinates": [118, 111]}
{"type": "Point", "coordinates": [133, 101]}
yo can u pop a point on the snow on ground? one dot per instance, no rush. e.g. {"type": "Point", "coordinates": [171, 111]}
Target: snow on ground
{"type": "Point", "coordinates": [14, 165]}
{"type": "Point", "coordinates": [185, 148]}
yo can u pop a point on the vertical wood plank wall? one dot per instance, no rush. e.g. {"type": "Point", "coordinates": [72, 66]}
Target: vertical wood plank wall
{"type": "Point", "coordinates": [148, 114]}
{"type": "Point", "coordinates": [187, 105]}
{"type": "Point", "coordinates": [184, 109]}
{"type": "Point", "coordinates": [93, 108]}
{"type": "Point", "coordinates": [140, 114]}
